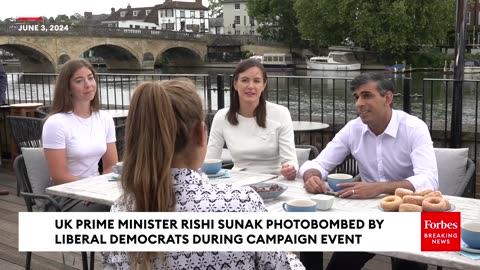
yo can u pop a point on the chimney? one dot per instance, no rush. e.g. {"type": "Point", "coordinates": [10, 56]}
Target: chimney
{"type": "Point", "coordinates": [112, 10]}
{"type": "Point", "coordinates": [129, 7]}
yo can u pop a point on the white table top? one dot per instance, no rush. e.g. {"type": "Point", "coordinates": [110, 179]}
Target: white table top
{"type": "Point", "coordinates": [99, 189]}
{"type": "Point", "coordinates": [469, 208]}
{"type": "Point", "coordinates": [308, 126]}
{"type": "Point", "coordinates": [118, 113]}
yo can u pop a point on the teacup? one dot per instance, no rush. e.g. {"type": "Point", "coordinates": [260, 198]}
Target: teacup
{"type": "Point", "coordinates": [470, 233]}
{"type": "Point", "coordinates": [324, 202]}
{"type": "Point", "coordinates": [338, 178]}
{"type": "Point", "coordinates": [300, 205]}
{"type": "Point", "coordinates": [117, 168]}
{"type": "Point", "coordinates": [212, 166]}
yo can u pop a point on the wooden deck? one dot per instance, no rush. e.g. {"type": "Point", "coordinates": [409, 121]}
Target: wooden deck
{"type": "Point", "coordinates": [11, 259]}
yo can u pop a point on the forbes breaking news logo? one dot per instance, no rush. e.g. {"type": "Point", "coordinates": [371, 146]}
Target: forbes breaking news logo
{"type": "Point", "coordinates": [440, 231]}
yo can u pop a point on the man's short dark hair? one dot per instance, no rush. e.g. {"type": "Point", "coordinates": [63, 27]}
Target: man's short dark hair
{"type": "Point", "coordinates": [384, 85]}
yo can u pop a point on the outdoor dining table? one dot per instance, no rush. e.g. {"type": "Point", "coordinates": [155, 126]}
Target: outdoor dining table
{"type": "Point", "coordinates": [101, 189]}
{"type": "Point", "coordinates": [307, 126]}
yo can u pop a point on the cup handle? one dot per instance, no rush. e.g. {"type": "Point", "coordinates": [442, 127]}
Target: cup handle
{"type": "Point", "coordinates": [285, 206]}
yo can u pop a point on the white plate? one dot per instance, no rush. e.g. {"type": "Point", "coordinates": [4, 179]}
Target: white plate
{"type": "Point", "coordinates": [466, 248]}
{"type": "Point", "coordinates": [222, 172]}
{"type": "Point", "coordinates": [452, 207]}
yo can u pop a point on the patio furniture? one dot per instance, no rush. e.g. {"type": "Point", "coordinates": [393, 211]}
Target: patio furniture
{"type": "Point", "coordinates": [120, 143]}
{"type": "Point", "coordinates": [42, 111]}
{"type": "Point", "coordinates": [348, 166]}
{"type": "Point", "coordinates": [455, 170]}
{"type": "Point", "coordinates": [305, 152]}
{"type": "Point", "coordinates": [26, 132]}
{"type": "Point", "coordinates": [32, 178]}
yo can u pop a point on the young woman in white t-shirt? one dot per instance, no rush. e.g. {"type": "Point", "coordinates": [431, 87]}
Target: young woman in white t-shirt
{"type": "Point", "coordinates": [77, 134]}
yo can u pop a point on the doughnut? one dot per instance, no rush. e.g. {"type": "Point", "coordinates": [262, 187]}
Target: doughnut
{"type": "Point", "coordinates": [391, 203]}
{"type": "Point", "coordinates": [400, 192]}
{"type": "Point", "coordinates": [408, 207]}
{"type": "Point", "coordinates": [434, 194]}
{"type": "Point", "coordinates": [434, 204]}
{"type": "Point", "coordinates": [413, 199]}
{"type": "Point", "coordinates": [447, 205]}
{"type": "Point", "coordinates": [422, 192]}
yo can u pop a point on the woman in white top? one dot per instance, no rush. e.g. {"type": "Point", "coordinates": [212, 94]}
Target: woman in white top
{"type": "Point", "coordinates": [76, 135]}
{"type": "Point", "coordinates": [165, 144]}
{"type": "Point", "coordinates": [258, 134]}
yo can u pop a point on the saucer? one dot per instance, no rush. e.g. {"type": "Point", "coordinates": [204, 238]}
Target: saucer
{"type": "Point", "coordinates": [466, 248]}
{"type": "Point", "coordinates": [222, 172]}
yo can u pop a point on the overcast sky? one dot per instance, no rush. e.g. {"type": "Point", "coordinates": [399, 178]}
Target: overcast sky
{"type": "Point", "coordinates": [52, 8]}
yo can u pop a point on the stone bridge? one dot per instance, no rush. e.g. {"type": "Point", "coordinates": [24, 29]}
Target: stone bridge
{"type": "Point", "coordinates": [120, 48]}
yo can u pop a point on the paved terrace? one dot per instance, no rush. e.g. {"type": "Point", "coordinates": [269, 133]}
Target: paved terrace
{"type": "Point", "coordinates": [11, 259]}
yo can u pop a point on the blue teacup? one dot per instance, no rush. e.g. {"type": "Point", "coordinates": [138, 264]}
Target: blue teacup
{"type": "Point", "coordinates": [117, 168]}
{"type": "Point", "coordinates": [300, 205]}
{"type": "Point", "coordinates": [338, 178]}
{"type": "Point", "coordinates": [471, 234]}
{"type": "Point", "coordinates": [212, 166]}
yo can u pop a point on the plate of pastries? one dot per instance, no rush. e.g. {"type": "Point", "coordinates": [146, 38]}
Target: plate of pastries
{"type": "Point", "coordinates": [425, 200]}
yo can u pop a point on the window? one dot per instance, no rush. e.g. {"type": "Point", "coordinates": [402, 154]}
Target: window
{"type": "Point", "coordinates": [237, 19]}
{"type": "Point", "coordinates": [202, 14]}
{"type": "Point", "coordinates": [192, 13]}
{"type": "Point", "coordinates": [202, 27]}
{"type": "Point", "coordinates": [122, 14]}
{"type": "Point", "coordinates": [244, 20]}
{"type": "Point", "coordinates": [252, 21]}
{"type": "Point", "coordinates": [147, 11]}
{"type": "Point", "coordinates": [169, 12]}
{"type": "Point", "coordinates": [468, 17]}
{"type": "Point", "coordinates": [237, 32]}
{"type": "Point", "coordinates": [252, 32]}
{"type": "Point", "coordinates": [162, 13]}
{"type": "Point", "coordinates": [135, 13]}
{"type": "Point", "coordinates": [170, 26]}
{"type": "Point", "coordinates": [189, 26]}
{"type": "Point", "coordinates": [182, 13]}
{"type": "Point", "coordinates": [237, 5]}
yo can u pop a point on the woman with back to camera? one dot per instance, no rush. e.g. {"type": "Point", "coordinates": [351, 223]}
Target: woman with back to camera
{"type": "Point", "coordinates": [258, 134]}
{"type": "Point", "coordinates": [77, 134]}
{"type": "Point", "coordinates": [165, 144]}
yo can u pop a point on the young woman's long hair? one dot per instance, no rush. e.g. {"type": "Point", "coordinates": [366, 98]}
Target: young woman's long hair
{"type": "Point", "coordinates": [62, 100]}
{"type": "Point", "coordinates": [161, 121]}
{"type": "Point", "coordinates": [261, 110]}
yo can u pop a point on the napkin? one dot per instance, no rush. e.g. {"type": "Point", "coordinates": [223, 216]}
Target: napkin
{"type": "Point", "coordinates": [224, 175]}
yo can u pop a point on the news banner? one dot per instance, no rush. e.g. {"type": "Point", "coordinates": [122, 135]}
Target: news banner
{"type": "Point", "coordinates": [189, 231]}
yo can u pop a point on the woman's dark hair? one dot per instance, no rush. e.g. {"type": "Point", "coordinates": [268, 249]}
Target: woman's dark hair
{"type": "Point", "coordinates": [261, 110]}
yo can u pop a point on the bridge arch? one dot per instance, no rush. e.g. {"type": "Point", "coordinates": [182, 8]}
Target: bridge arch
{"type": "Point", "coordinates": [175, 55]}
{"type": "Point", "coordinates": [32, 57]}
{"type": "Point", "coordinates": [116, 55]}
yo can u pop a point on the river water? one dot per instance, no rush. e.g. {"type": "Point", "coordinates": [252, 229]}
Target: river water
{"type": "Point", "coordinates": [307, 93]}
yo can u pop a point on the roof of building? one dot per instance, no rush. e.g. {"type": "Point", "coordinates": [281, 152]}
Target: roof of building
{"type": "Point", "coordinates": [141, 15]}
{"type": "Point", "coordinates": [181, 5]}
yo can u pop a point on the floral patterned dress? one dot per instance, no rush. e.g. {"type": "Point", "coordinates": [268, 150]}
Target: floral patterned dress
{"type": "Point", "coordinates": [194, 194]}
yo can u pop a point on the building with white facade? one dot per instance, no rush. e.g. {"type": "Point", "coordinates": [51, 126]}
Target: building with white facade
{"type": "Point", "coordinates": [182, 16]}
{"type": "Point", "coordinates": [171, 15]}
{"type": "Point", "coordinates": [236, 20]}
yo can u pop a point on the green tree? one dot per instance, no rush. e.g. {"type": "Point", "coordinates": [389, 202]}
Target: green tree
{"type": "Point", "coordinates": [215, 8]}
{"type": "Point", "coordinates": [392, 26]}
{"type": "Point", "coordinates": [276, 19]}
{"type": "Point", "coordinates": [62, 19]}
